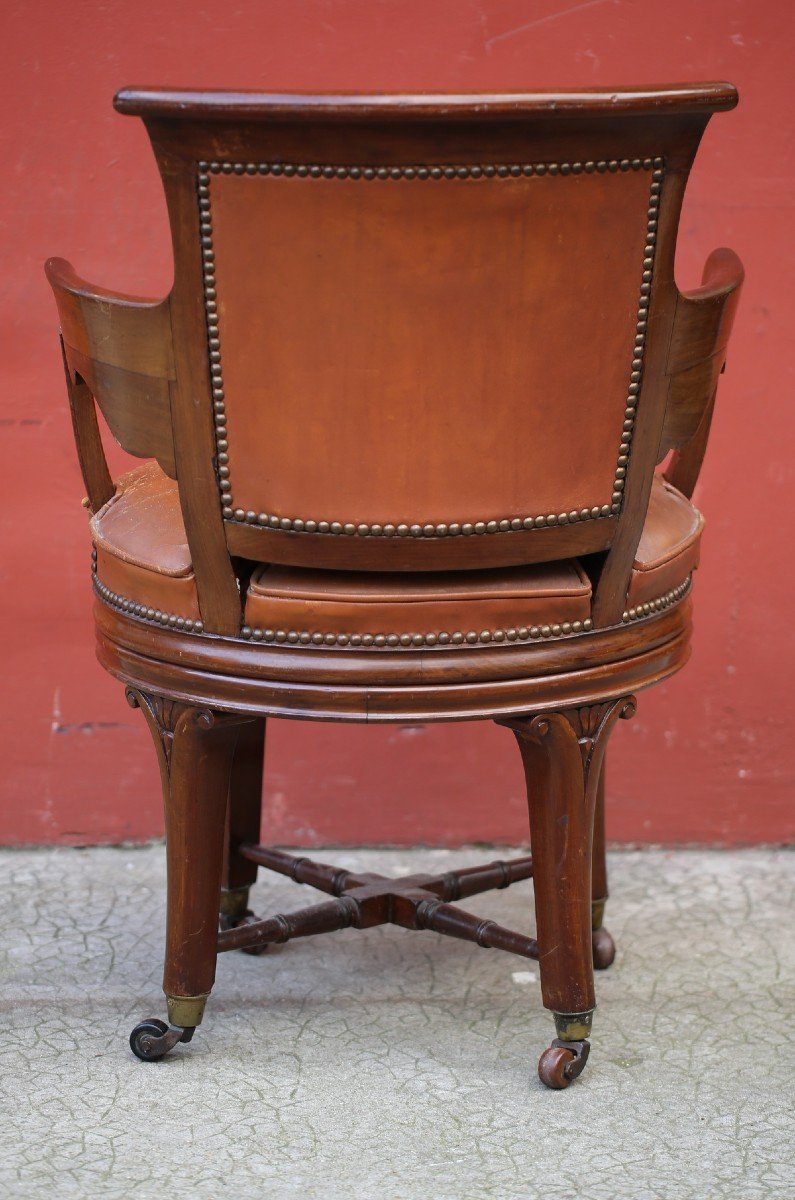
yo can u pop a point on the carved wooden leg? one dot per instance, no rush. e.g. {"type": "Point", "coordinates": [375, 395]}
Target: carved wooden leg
{"type": "Point", "coordinates": [604, 948]}
{"type": "Point", "coordinates": [243, 823]}
{"type": "Point", "coordinates": [195, 748]}
{"type": "Point", "coordinates": [562, 754]}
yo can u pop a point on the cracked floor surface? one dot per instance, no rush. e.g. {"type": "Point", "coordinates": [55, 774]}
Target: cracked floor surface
{"type": "Point", "coordinates": [389, 1065]}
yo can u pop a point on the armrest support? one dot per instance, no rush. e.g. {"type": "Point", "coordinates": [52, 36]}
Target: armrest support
{"type": "Point", "coordinates": [119, 349]}
{"type": "Point", "coordinates": [90, 452]}
{"type": "Point", "coordinates": [696, 357]}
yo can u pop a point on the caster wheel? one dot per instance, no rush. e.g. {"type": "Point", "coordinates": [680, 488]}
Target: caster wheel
{"type": "Point", "coordinates": [145, 1040]}
{"type": "Point", "coordinates": [560, 1065]}
{"type": "Point", "coordinates": [552, 1067]}
{"type": "Point", "coordinates": [604, 949]}
{"type": "Point", "coordinates": [151, 1040]}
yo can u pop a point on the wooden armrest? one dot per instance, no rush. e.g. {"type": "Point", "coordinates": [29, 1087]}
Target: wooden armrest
{"type": "Point", "coordinates": [109, 327]}
{"type": "Point", "coordinates": [696, 357]}
{"type": "Point", "coordinates": [119, 348]}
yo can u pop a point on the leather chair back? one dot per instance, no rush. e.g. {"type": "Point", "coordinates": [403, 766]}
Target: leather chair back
{"type": "Point", "coordinates": [421, 333]}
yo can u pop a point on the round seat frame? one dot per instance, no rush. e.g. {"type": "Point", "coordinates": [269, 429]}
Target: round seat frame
{"type": "Point", "coordinates": [319, 683]}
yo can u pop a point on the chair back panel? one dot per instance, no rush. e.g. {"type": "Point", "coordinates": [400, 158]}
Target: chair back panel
{"type": "Point", "coordinates": [426, 350]}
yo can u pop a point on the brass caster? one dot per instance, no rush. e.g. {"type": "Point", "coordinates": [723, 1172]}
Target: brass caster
{"type": "Point", "coordinates": [604, 949]}
{"type": "Point", "coordinates": [562, 1063]}
{"type": "Point", "coordinates": [247, 918]}
{"type": "Point", "coordinates": [151, 1040]}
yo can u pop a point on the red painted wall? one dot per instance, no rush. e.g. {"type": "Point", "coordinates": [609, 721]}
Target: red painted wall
{"type": "Point", "coordinates": [709, 756]}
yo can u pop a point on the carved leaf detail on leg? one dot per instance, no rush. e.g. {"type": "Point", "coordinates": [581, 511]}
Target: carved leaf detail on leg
{"type": "Point", "coordinates": [166, 718]}
{"type": "Point", "coordinates": [591, 726]}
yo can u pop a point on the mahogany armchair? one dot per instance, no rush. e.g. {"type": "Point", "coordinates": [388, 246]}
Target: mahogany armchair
{"type": "Point", "coordinates": [403, 411]}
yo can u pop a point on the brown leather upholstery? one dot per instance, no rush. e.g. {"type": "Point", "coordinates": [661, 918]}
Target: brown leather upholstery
{"type": "Point", "coordinates": [422, 608]}
{"type": "Point", "coordinates": [142, 551]}
{"type": "Point", "coordinates": [669, 545]}
{"type": "Point", "coordinates": [371, 328]}
{"type": "Point", "coordinates": [143, 558]}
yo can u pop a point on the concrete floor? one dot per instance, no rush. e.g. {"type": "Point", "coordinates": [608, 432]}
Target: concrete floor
{"type": "Point", "coordinates": [390, 1065]}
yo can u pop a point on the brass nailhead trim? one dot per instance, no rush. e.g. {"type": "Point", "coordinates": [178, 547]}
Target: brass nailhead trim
{"type": "Point", "coordinates": [141, 610]}
{"type": "Point", "coordinates": [504, 170]}
{"type": "Point", "coordinates": [394, 640]}
{"type": "Point", "coordinates": [655, 606]}
{"type": "Point", "coordinates": [389, 641]}
{"type": "Point", "coordinates": [451, 171]}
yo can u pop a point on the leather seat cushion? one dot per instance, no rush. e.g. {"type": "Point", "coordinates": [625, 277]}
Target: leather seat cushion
{"type": "Point", "coordinates": [669, 545]}
{"type": "Point", "coordinates": [422, 608]}
{"type": "Point", "coordinates": [143, 557]}
{"type": "Point", "coordinates": [142, 551]}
